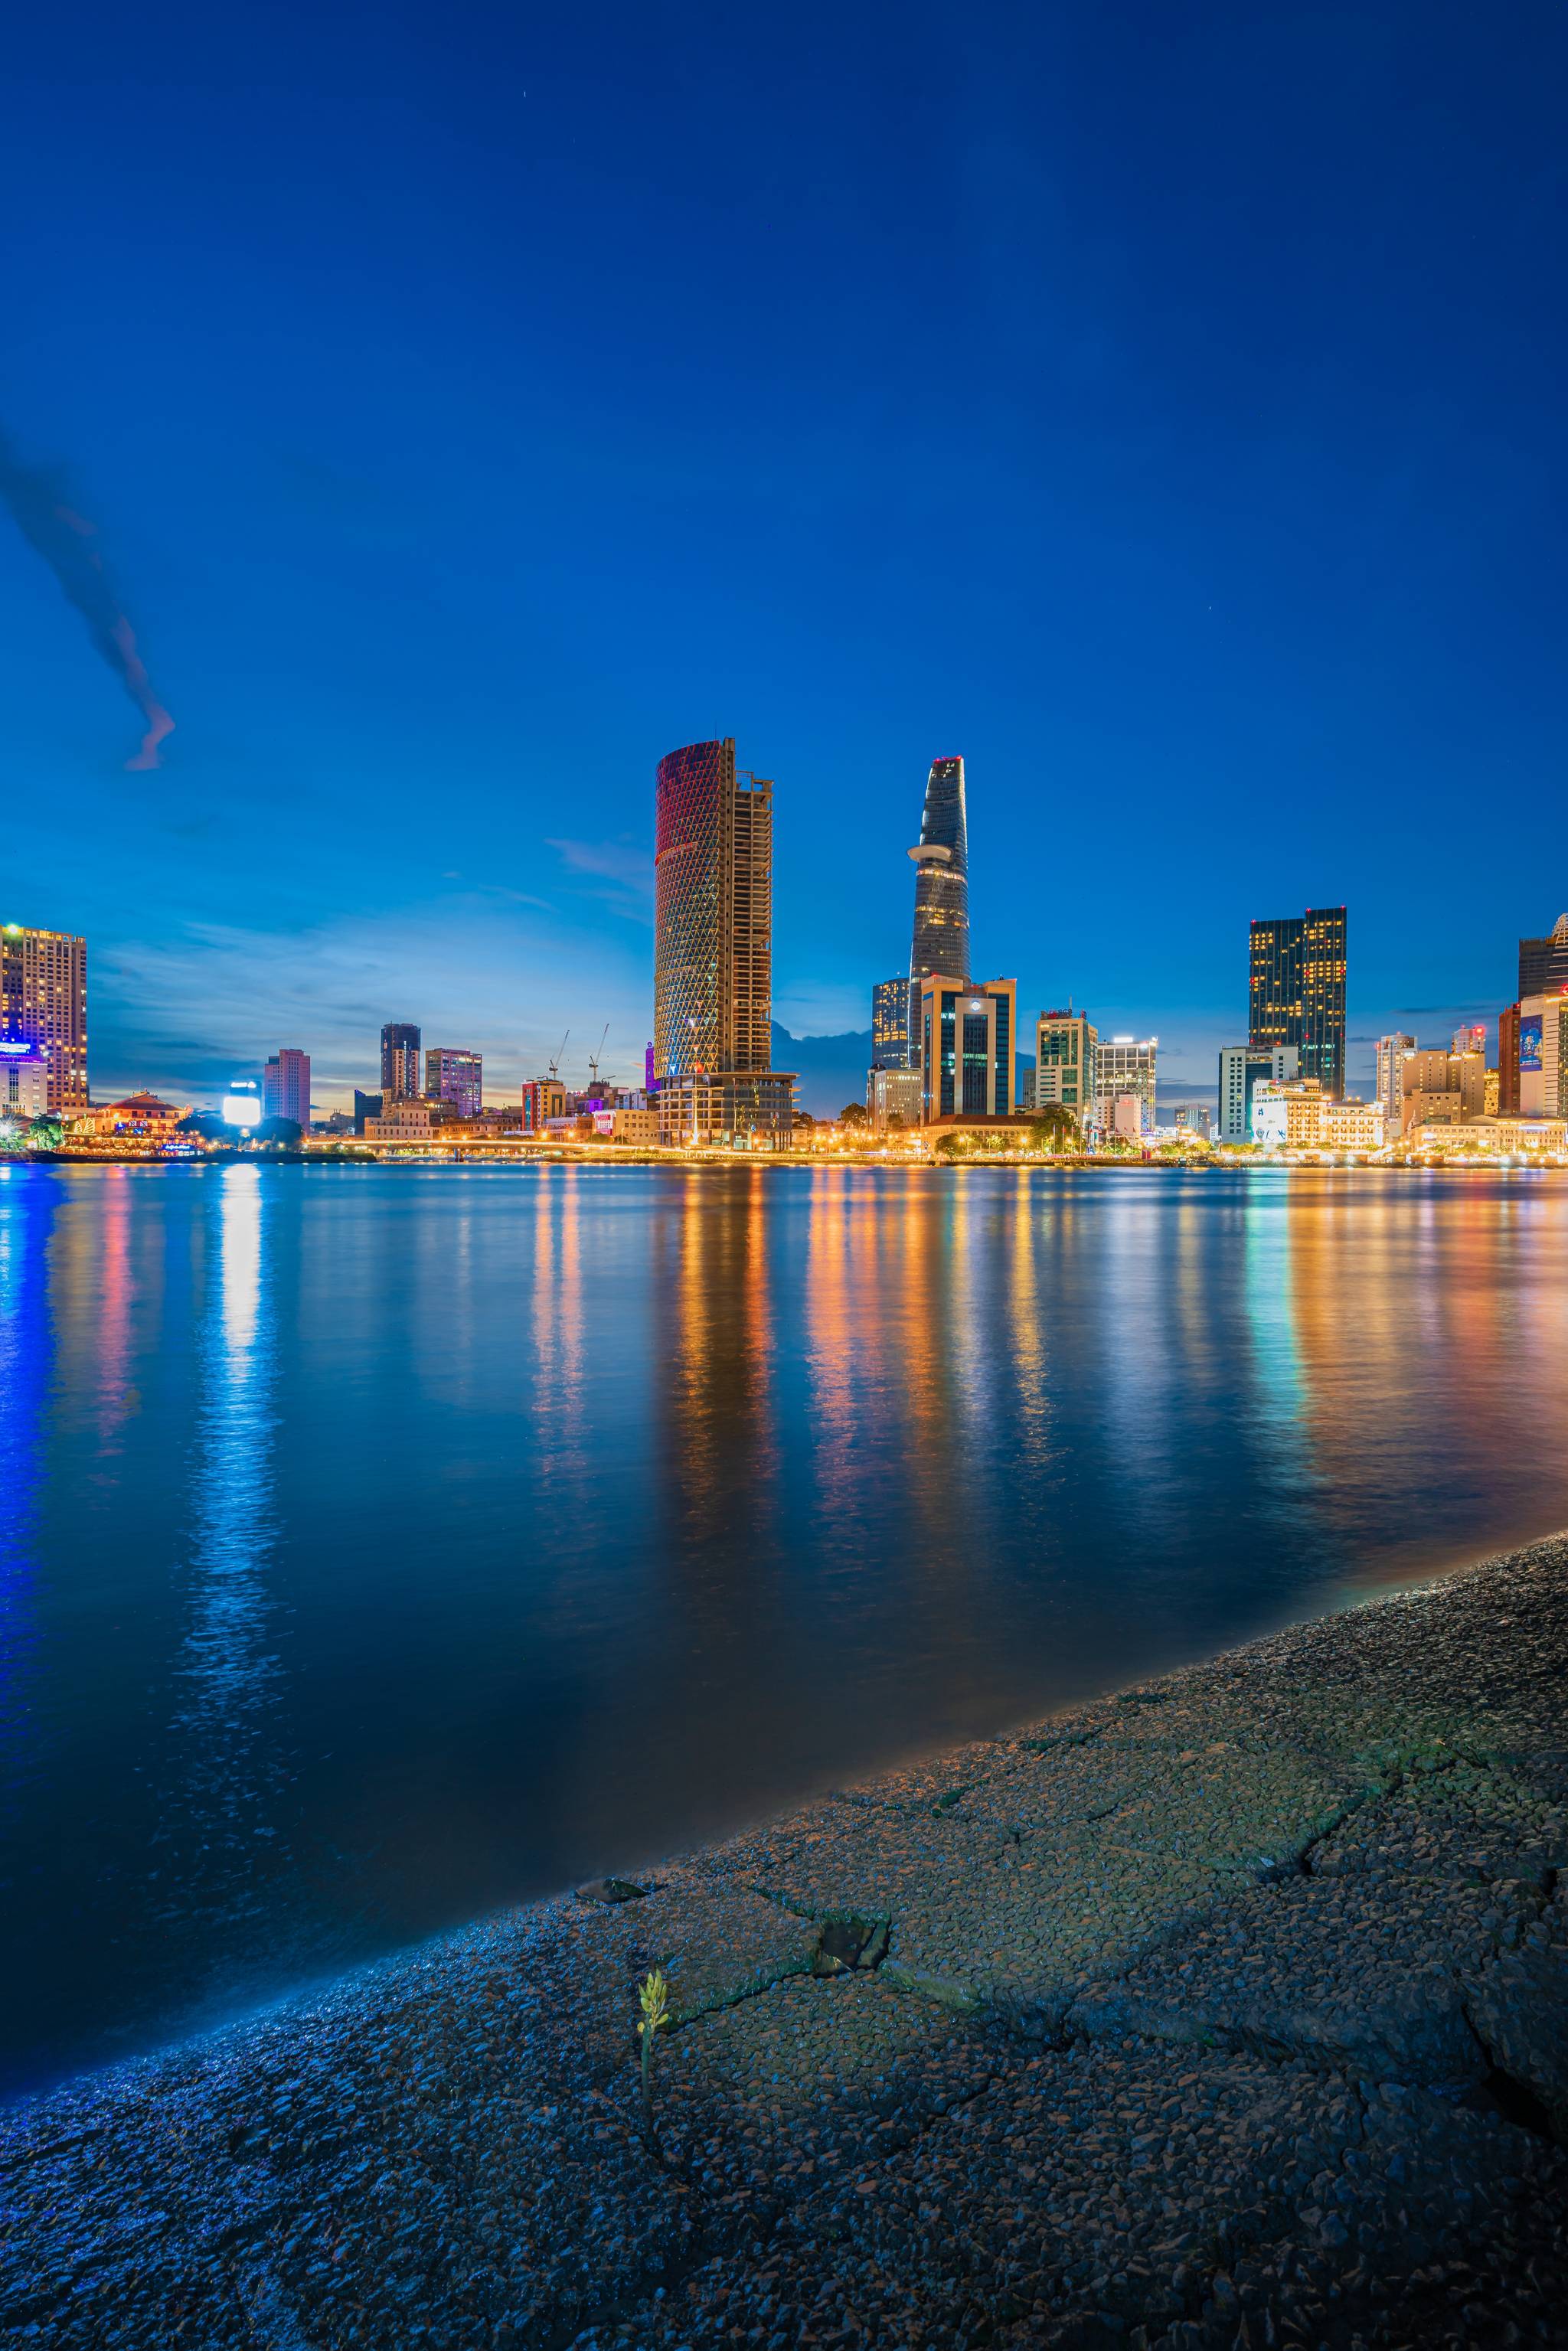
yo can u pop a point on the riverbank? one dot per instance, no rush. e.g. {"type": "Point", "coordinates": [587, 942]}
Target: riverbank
{"type": "Point", "coordinates": [1230, 2009]}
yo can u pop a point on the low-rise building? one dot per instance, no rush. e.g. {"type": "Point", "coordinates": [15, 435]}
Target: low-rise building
{"type": "Point", "coordinates": [892, 1095]}
{"type": "Point", "coordinates": [24, 1079]}
{"type": "Point", "coordinates": [1505, 1137]}
{"type": "Point", "coordinates": [403, 1119]}
{"type": "Point", "coordinates": [1242, 1069]}
{"type": "Point", "coordinates": [140, 1117]}
{"type": "Point", "coordinates": [1301, 1117]}
{"type": "Point", "coordinates": [543, 1099]}
{"type": "Point", "coordinates": [639, 1128]}
{"type": "Point", "coordinates": [1444, 1109]}
{"type": "Point", "coordinates": [753, 1110]}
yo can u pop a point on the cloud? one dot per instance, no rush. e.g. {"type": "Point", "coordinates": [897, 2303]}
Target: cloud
{"type": "Point", "coordinates": [619, 874]}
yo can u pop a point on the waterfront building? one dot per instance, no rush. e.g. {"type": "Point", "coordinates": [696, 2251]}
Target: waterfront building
{"type": "Point", "coordinates": [1508, 1060]}
{"type": "Point", "coordinates": [366, 1106]}
{"type": "Point", "coordinates": [543, 1099]}
{"type": "Point", "coordinates": [1296, 990]}
{"type": "Point", "coordinates": [453, 1075]}
{"type": "Point", "coordinates": [1241, 1069]}
{"type": "Point", "coordinates": [1471, 1038]}
{"type": "Point", "coordinates": [24, 1079]}
{"type": "Point", "coordinates": [1304, 1117]}
{"type": "Point", "coordinates": [1503, 1137]}
{"type": "Point", "coordinates": [890, 1024]}
{"type": "Point", "coordinates": [399, 1061]}
{"type": "Point", "coordinates": [1393, 1051]}
{"type": "Point", "coordinates": [1127, 1065]}
{"type": "Point", "coordinates": [1544, 1055]}
{"type": "Point", "coordinates": [1123, 1114]}
{"type": "Point", "coordinates": [286, 1087]}
{"type": "Point", "coordinates": [969, 1038]}
{"type": "Point", "coordinates": [1543, 963]}
{"type": "Point", "coordinates": [141, 1117]}
{"type": "Point", "coordinates": [43, 1002]}
{"type": "Point", "coordinates": [713, 948]}
{"type": "Point", "coordinates": [1067, 1064]}
{"type": "Point", "coordinates": [892, 1095]}
{"type": "Point", "coordinates": [404, 1119]}
{"type": "Point", "coordinates": [639, 1128]}
{"type": "Point", "coordinates": [941, 938]}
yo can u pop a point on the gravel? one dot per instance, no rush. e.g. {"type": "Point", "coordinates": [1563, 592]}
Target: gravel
{"type": "Point", "coordinates": [1231, 2010]}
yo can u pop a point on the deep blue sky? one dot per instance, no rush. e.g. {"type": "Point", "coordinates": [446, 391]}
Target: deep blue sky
{"type": "Point", "coordinates": [1162, 407]}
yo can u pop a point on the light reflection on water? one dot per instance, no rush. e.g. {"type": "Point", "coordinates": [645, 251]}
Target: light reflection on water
{"type": "Point", "coordinates": [379, 1545]}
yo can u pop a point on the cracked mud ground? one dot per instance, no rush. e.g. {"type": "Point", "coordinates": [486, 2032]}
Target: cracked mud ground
{"type": "Point", "coordinates": [1233, 2011]}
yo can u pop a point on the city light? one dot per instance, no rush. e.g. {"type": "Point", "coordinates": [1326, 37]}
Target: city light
{"type": "Point", "coordinates": [242, 1105]}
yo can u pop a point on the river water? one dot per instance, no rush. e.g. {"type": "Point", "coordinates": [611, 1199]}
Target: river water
{"type": "Point", "coordinates": [379, 1545]}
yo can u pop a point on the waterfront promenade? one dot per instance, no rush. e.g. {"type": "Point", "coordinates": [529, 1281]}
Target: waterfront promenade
{"type": "Point", "coordinates": [1230, 2009]}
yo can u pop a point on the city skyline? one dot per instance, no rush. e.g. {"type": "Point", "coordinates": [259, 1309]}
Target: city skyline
{"type": "Point", "coordinates": [1198, 547]}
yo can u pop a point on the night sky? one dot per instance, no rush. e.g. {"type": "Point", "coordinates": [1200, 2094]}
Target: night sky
{"type": "Point", "coordinates": [1162, 407]}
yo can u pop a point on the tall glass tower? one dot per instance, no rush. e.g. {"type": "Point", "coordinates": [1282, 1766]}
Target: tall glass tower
{"type": "Point", "coordinates": [713, 914]}
{"type": "Point", "coordinates": [1295, 991]}
{"type": "Point", "coordinates": [941, 884]}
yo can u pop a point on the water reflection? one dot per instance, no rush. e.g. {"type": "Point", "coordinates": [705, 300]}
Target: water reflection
{"type": "Point", "coordinates": [221, 1816]}
{"type": "Point", "coordinates": [528, 1524]}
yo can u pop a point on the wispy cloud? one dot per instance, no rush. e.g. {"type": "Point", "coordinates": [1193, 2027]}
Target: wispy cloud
{"type": "Point", "coordinates": [617, 873]}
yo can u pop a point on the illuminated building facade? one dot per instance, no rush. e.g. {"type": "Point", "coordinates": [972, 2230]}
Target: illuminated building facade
{"type": "Point", "coordinates": [24, 1079]}
{"type": "Point", "coordinates": [713, 950]}
{"type": "Point", "coordinates": [1304, 1117]}
{"type": "Point", "coordinates": [1392, 1053]}
{"type": "Point", "coordinates": [43, 1002]}
{"type": "Point", "coordinates": [968, 1044]}
{"type": "Point", "coordinates": [286, 1087]}
{"type": "Point", "coordinates": [941, 856]}
{"type": "Point", "coordinates": [454, 1076]}
{"type": "Point", "coordinates": [399, 1061]}
{"type": "Point", "coordinates": [1296, 985]}
{"type": "Point", "coordinates": [890, 1005]}
{"type": "Point", "coordinates": [1126, 1065]}
{"type": "Point", "coordinates": [893, 1096]}
{"type": "Point", "coordinates": [543, 1099]}
{"type": "Point", "coordinates": [1241, 1071]}
{"type": "Point", "coordinates": [1544, 1055]}
{"type": "Point", "coordinates": [1543, 963]}
{"type": "Point", "coordinates": [1067, 1064]}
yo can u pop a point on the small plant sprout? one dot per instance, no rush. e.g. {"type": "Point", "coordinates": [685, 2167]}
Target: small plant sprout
{"type": "Point", "coordinates": [654, 1993]}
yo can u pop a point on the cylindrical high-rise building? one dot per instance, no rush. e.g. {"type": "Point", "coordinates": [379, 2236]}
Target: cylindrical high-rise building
{"type": "Point", "coordinates": [941, 883]}
{"type": "Point", "coordinates": [713, 914]}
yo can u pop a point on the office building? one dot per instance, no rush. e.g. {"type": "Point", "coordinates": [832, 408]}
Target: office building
{"type": "Point", "coordinates": [366, 1106]}
{"type": "Point", "coordinates": [1241, 1071]}
{"type": "Point", "coordinates": [399, 1061]}
{"type": "Point", "coordinates": [404, 1119]}
{"type": "Point", "coordinates": [1543, 963]}
{"type": "Point", "coordinates": [1392, 1053]}
{"type": "Point", "coordinates": [1296, 988]}
{"type": "Point", "coordinates": [941, 856]}
{"type": "Point", "coordinates": [890, 1024]}
{"type": "Point", "coordinates": [453, 1075]}
{"type": "Point", "coordinates": [1305, 1117]}
{"type": "Point", "coordinates": [1026, 1086]}
{"type": "Point", "coordinates": [1194, 1118]}
{"type": "Point", "coordinates": [713, 949]}
{"type": "Point", "coordinates": [892, 1096]}
{"type": "Point", "coordinates": [24, 1079]}
{"type": "Point", "coordinates": [1471, 1038]}
{"type": "Point", "coordinates": [1127, 1065]}
{"type": "Point", "coordinates": [1437, 1085]}
{"type": "Point", "coordinates": [286, 1087]}
{"type": "Point", "coordinates": [1067, 1064]}
{"type": "Point", "coordinates": [1543, 1056]}
{"type": "Point", "coordinates": [543, 1099]}
{"type": "Point", "coordinates": [43, 1002]}
{"type": "Point", "coordinates": [1508, 1060]}
{"type": "Point", "coordinates": [969, 1038]}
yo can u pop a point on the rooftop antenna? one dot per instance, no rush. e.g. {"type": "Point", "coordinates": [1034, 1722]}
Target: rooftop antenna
{"type": "Point", "coordinates": [554, 1065]}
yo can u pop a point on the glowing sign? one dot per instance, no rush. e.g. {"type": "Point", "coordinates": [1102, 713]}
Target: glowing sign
{"type": "Point", "coordinates": [1530, 1042]}
{"type": "Point", "coordinates": [242, 1105]}
{"type": "Point", "coordinates": [18, 1050]}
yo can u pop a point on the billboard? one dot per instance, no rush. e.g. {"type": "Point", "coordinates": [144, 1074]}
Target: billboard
{"type": "Point", "coordinates": [1530, 1042]}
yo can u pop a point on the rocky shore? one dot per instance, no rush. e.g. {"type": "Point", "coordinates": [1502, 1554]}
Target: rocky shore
{"type": "Point", "coordinates": [1232, 2010]}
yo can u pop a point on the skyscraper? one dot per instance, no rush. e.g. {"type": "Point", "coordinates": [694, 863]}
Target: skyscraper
{"type": "Point", "coordinates": [453, 1075]}
{"type": "Point", "coordinates": [399, 1061]}
{"type": "Point", "coordinates": [43, 1002]}
{"type": "Point", "coordinates": [890, 1036]}
{"type": "Point", "coordinates": [1296, 990]}
{"type": "Point", "coordinates": [1127, 1066]}
{"type": "Point", "coordinates": [1543, 963]}
{"type": "Point", "coordinates": [713, 947]}
{"type": "Point", "coordinates": [1393, 1052]}
{"type": "Point", "coordinates": [286, 1087]}
{"type": "Point", "coordinates": [941, 942]}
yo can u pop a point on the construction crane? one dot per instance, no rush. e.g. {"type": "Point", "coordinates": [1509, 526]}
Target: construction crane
{"type": "Point", "coordinates": [554, 1065]}
{"type": "Point", "coordinates": [593, 1062]}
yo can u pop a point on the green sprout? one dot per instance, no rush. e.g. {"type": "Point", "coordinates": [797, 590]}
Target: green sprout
{"type": "Point", "coordinates": [654, 1993]}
